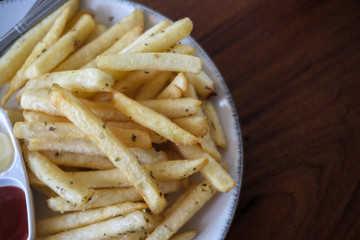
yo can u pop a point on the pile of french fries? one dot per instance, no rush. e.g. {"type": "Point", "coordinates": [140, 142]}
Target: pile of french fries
{"type": "Point", "coordinates": [114, 120]}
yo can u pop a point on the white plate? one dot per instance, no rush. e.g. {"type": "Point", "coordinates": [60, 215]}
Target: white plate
{"type": "Point", "coordinates": [213, 221]}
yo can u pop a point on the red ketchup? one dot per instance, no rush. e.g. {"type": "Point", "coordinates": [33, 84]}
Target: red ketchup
{"type": "Point", "coordinates": [13, 214]}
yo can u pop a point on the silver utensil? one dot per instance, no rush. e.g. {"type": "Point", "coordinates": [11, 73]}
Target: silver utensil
{"type": "Point", "coordinates": [38, 11]}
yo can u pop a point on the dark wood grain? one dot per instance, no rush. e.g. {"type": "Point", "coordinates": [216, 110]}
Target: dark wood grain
{"type": "Point", "coordinates": [293, 68]}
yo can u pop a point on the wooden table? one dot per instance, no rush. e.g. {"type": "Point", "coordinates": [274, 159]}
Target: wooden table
{"type": "Point", "coordinates": [293, 69]}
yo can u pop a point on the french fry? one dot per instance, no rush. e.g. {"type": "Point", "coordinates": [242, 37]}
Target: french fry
{"type": "Point", "coordinates": [84, 80]}
{"type": "Point", "coordinates": [207, 142]}
{"type": "Point", "coordinates": [114, 226]}
{"type": "Point", "coordinates": [85, 146]}
{"type": "Point", "coordinates": [150, 61]}
{"type": "Point", "coordinates": [179, 200]}
{"type": "Point", "coordinates": [152, 221]}
{"type": "Point", "coordinates": [134, 80]}
{"type": "Point", "coordinates": [38, 100]}
{"type": "Point", "coordinates": [186, 210]}
{"type": "Point", "coordinates": [184, 236]}
{"type": "Point", "coordinates": [152, 120]}
{"type": "Point", "coordinates": [59, 181]}
{"type": "Point", "coordinates": [196, 125]}
{"type": "Point", "coordinates": [213, 171]}
{"type": "Point", "coordinates": [155, 138]}
{"type": "Point", "coordinates": [163, 40]}
{"type": "Point", "coordinates": [216, 130]}
{"type": "Point", "coordinates": [60, 223]}
{"type": "Point", "coordinates": [109, 196]}
{"type": "Point", "coordinates": [50, 38]}
{"type": "Point", "coordinates": [181, 49]}
{"type": "Point", "coordinates": [173, 108]}
{"type": "Point", "coordinates": [32, 116]}
{"type": "Point", "coordinates": [208, 145]}
{"type": "Point", "coordinates": [152, 87]}
{"type": "Point", "coordinates": [204, 85]}
{"type": "Point", "coordinates": [146, 35]}
{"type": "Point", "coordinates": [175, 169]}
{"type": "Point", "coordinates": [122, 157]}
{"type": "Point", "coordinates": [35, 181]}
{"type": "Point", "coordinates": [175, 89]}
{"type": "Point", "coordinates": [62, 48]}
{"type": "Point", "coordinates": [103, 42]}
{"type": "Point", "coordinates": [149, 155]}
{"type": "Point", "coordinates": [44, 190]}
{"type": "Point", "coordinates": [75, 18]}
{"type": "Point", "coordinates": [161, 171]}
{"type": "Point", "coordinates": [14, 58]}
{"type": "Point", "coordinates": [70, 159]}
{"type": "Point", "coordinates": [130, 137]}
{"type": "Point", "coordinates": [124, 41]}
{"type": "Point", "coordinates": [96, 32]}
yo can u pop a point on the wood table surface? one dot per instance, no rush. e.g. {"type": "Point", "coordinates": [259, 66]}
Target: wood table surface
{"type": "Point", "coordinates": [293, 69]}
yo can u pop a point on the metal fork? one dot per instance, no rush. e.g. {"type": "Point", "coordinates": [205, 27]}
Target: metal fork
{"type": "Point", "coordinates": [38, 11]}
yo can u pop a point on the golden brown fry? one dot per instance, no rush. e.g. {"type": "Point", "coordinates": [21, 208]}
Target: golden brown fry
{"type": "Point", "coordinates": [59, 181]}
{"type": "Point", "coordinates": [207, 142]}
{"type": "Point", "coordinates": [114, 226]}
{"type": "Point", "coordinates": [70, 159]}
{"type": "Point", "coordinates": [110, 196]}
{"type": "Point", "coordinates": [181, 49]}
{"type": "Point", "coordinates": [145, 155]}
{"type": "Point", "coordinates": [146, 35]}
{"type": "Point", "coordinates": [184, 236]}
{"type": "Point", "coordinates": [186, 210]}
{"type": "Point", "coordinates": [203, 84]}
{"type": "Point", "coordinates": [174, 108]}
{"type": "Point", "coordinates": [32, 116]}
{"type": "Point", "coordinates": [84, 80]}
{"type": "Point", "coordinates": [161, 171]}
{"type": "Point", "coordinates": [213, 171]}
{"type": "Point", "coordinates": [84, 146]}
{"type": "Point", "coordinates": [216, 130]}
{"type": "Point", "coordinates": [122, 157]}
{"type": "Point", "coordinates": [96, 32]}
{"type": "Point", "coordinates": [179, 200]}
{"type": "Point", "coordinates": [38, 100]}
{"type": "Point", "coordinates": [152, 87]}
{"type": "Point", "coordinates": [134, 80]}
{"type": "Point", "coordinates": [75, 18]}
{"type": "Point", "coordinates": [152, 120]}
{"type": "Point", "coordinates": [78, 219]}
{"type": "Point", "coordinates": [152, 221]}
{"type": "Point", "coordinates": [194, 124]}
{"type": "Point", "coordinates": [58, 130]}
{"type": "Point", "coordinates": [150, 61]}
{"type": "Point", "coordinates": [155, 138]}
{"type": "Point", "coordinates": [166, 38]}
{"type": "Point", "coordinates": [176, 88]}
